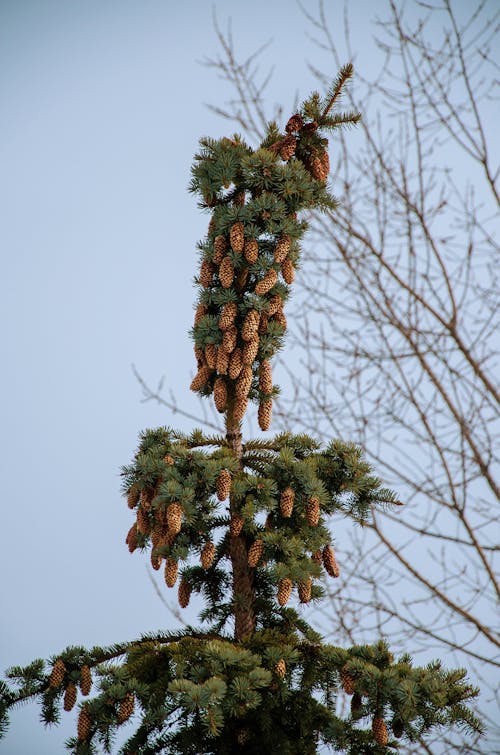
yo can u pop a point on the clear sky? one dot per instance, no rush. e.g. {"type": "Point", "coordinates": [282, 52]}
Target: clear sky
{"type": "Point", "coordinates": [101, 106]}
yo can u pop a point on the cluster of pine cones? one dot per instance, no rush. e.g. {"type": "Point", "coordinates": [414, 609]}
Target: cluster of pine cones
{"type": "Point", "coordinates": [379, 727]}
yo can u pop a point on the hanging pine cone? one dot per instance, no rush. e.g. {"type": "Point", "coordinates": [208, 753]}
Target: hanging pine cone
{"type": "Point", "coordinates": [239, 408]}
{"type": "Point", "coordinates": [379, 730]}
{"type": "Point", "coordinates": [287, 147]}
{"type": "Point", "coordinates": [229, 339]}
{"type": "Point", "coordinates": [85, 680]}
{"type": "Point", "coordinates": [126, 707]}
{"type": "Point", "coordinates": [133, 496]}
{"type": "Point", "coordinates": [170, 572]}
{"type": "Point", "coordinates": [236, 525]}
{"type": "Point", "coordinates": [250, 325]}
{"type": "Point", "coordinates": [325, 162]}
{"type": "Point", "coordinates": [330, 562]}
{"type": "Point", "coordinates": [244, 382]}
{"type": "Point", "coordinates": [220, 394]}
{"type": "Point", "coordinates": [356, 705]}
{"type": "Point", "coordinates": [264, 323]}
{"type": "Point", "coordinates": [318, 166]}
{"type": "Point", "coordinates": [145, 500]}
{"type": "Point", "coordinates": [220, 248]}
{"type": "Point", "coordinates": [70, 696]}
{"type": "Point", "coordinates": [255, 553]}
{"type": "Point", "coordinates": [155, 559]}
{"type": "Point", "coordinates": [275, 305]}
{"type": "Point", "coordinates": [211, 355]}
{"type": "Point", "coordinates": [305, 589]}
{"type": "Point", "coordinates": [280, 668]}
{"type": "Point", "coordinates": [312, 511]}
{"type": "Point", "coordinates": [226, 272]}
{"type": "Point", "coordinates": [286, 502]}
{"type": "Point", "coordinates": [131, 539]}
{"type": "Point", "coordinates": [207, 555]}
{"type": "Point", "coordinates": [294, 123]}
{"type": "Point", "coordinates": [267, 283]}
{"type": "Point", "coordinates": [84, 723]}
{"type": "Point", "coordinates": [348, 684]}
{"type": "Point", "coordinates": [280, 318]}
{"type": "Point", "coordinates": [288, 271]}
{"type": "Point", "coordinates": [57, 674]}
{"type": "Point", "coordinates": [266, 377]}
{"type": "Point", "coordinates": [184, 593]}
{"type": "Point", "coordinates": [228, 315]}
{"type": "Point", "coordinates": [284, 591]}
{"type": "Point", "coordinates": [309, 128]}
{"type": "Point", "coordinates": [397, 727]}
{"type": "Point", "coordinates": [239, 199]}
{"type": "Point", "coordinates": [201, 378]}
{"type": "Point", "coordinates": [200, 357]}
{"type": "Point", "coordinates": [201, 311]}
{"type": "Point", "coordinates": [235, 363]}
{"type": "Point", "coordinates": [222, 361]}
{"type": "Point", "coordinates": [142, 521]}
{"type": "Point", "coordinates": [264, 414]}
{"type": "Point", "coordinates": [206, 273]}
{"type": "Point", "coordinates": [174, 517]}
{"type": "Point", "coordinates": [237, 237]}
{"type": "Point", "coordinates": [250, 350]}
{"type": "Point", "coordinates": [282, 248]}
{"type": "Point", "coordinates": [316, 557]}
{"type": "Point", "coordinates": [224, 484]}
{"type": "Point", "coordinates": [251, 251]}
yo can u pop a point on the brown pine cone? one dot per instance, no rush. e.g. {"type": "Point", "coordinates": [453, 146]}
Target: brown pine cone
{"type": "Point", "coordinates": [275, 305]}
{"type": "Point", "coordinates": [207, 555]}
{"type": "Point", "coordinates": [305, 588]}
{"type": "Point", "coordinates": [239, 408]}
{"type": "Point", "coordinates": [244, 382]}
{"type": "Point", "coordinates": [294, 123]}
{"type": "Point", "coordinates": [282, 248]}
{"type": "Point", "coordinates": [84, 723]}
{"type": "Point", "coordinates": [57, 674]}
{"type": "Point", "coordinates": [312, 511]}
{"type": "Point", "coordinates": [155, 559]}
{"type": "Point", "coordinates": [280, 318]}
{"type": "Point", "coordinates": [220, 394]}
{"type": "Point", "coordinates": [131, 539]}
{"type": "Point", "coordinates": [237, 237]}
{"type": "Point", "coordinates": [265, 413]}
{"type": "Point", "coordinates": [251, 251]}
{"type": "Point", "coordinates": [174, 517]}
{"type": "Point", "coordinates": [288, 147]}
{"type": "Point", "coordinates": [264, 322]}
{"type": "Point", "coordinates": [201, 378]}
{"type": "Point", "coordinates": [286, 502]}
{"type": "Point", "coordinates": [70, 696]}
{"type": "Point", "coordinates": [348, 684]}
{"type": "Point", "coordinates": [317, 166]}
{"type": "Point", "coordinates": [239, 199]}
{"type": "Point", "coordinates": [325, 161]}
{"type": "Point", "coordinates": [255, 553]}
{"type": "Point", "coordinates": [250, 350]}
{"type": "Point", "coordinates": [236, 525]}
{"type": "Point", "coordinates": [85, 680]}
{"type": "Point", "coordinates": [397, 727]}
{"type": "Point", "coordinates": [226, 272]}
{"type": "Point", "coordinates": [316, 557]}
{"type": "Point", "coordinates": [379, 730]}
{"type": "Point", "coordinates": [267, 283]}
{"type": "Point", "coordinates": [200, 356]}
{"type": "Point", "coordinates": [220, 248]}
{"type": "Point", "coordinates": [170, 572]}
{"type": "Point", "coordinates": [288, 271]}
{"type": "Point", "coordinates": [133, 496]}
{"type": "Point", "coordinates": [309, 128]}
{"type": "Point", "coordinates": [184, 593]}
{"type": "Point", "coordinates": [330, 562]}
{"type": "Point", "coordinates": [126, 707]}
{"type": "Point", "coordinates": [280, 668]}
{"type": "Point", "coordinates": [235, 363]}
{"type": "Point", "coordinates": [222, 361]}
{"type": "Point", "coordinates": [266, 377]}
{"type": "Point", "coordinates": [201, 311]}
{"type": "Point", "coordinates": [250, 325]}
{"type": "Point", "coordinates": [284, 591]}
{"type": "Point", "coordinates": [224, 484]}
{"type": "Point", "coordinates": [229, 339]}
{"type": "Point", "coordinates": [228, 315]}
{"type": "Point", "coordinates": [206, 273]}
{"type": "Point", "coordinates": [142, 521]}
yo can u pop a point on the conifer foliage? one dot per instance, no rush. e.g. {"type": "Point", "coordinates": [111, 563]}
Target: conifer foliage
{"type": "Point", "coordinates": [247, 525]}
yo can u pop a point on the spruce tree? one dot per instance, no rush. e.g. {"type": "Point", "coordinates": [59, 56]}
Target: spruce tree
{"type": "Point", "coordinates": [247, 524]}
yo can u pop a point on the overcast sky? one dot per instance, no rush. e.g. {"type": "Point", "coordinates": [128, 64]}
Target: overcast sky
{"type": "Point", "coordinates": [101, 107]}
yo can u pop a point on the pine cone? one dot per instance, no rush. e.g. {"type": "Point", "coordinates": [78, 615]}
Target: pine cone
{"type": "Point", "coordinates": [282, 248]}
{"type": "Point", "coordinates": [126, 707]}
{"type": "Point", "coordinates": [244, 382]}
{"type": "Point", "coordinates": [133, 496]}
{"type": "Point", "coordinates": [267, 283]}
{"type": "Point", "coordinates": [207, 555]}
{"type": "Point", "coordinates": [226, 272]}
{"type": "Point", "coordinates": [174, 518]}
{"type": "Point", "coordinates": [280, 668]}
{"type": "Point", "coordinates": [85, 680]}
{"type": "Point", "coordinates": [70, 696]}
{"type": "Point", "coordinates": [235, 364]}
{"type": "Point", "coordinates": [250, 350]}
{"type": "Point", "coordinates": [379, 730]}
{"type": "Point", "coordinates": [184, 593]}
{"type": "Point", "coordinates": [211, 355]}
{"type": "Point", "coordinates": [264, 323]}
{"type": "Point", "coordinates": [239, 199]}
{"type": "Point", "coordinates": [229, 339]}
{"type": "Point", "coordinates": [142, 521]}
{"type": "Point", "coordinates": [280, 318]}
{"type": "Point", "coordinates": [206, 273]}
{"type": "Point", "coordinates": [309, 128]}
{"type": "Point", "coordinates": [224, 484]}
{"type": "Point", "coordinates": [239, 408]}
{"type": "Point", "coordinates": [251, 251]}
{"type": "Point", "coordinates": [348, 684]}
{"type": "Point", "coordinates": [57, 674]}
{"type": "Point", "coordinates": [220, 248]}
{"type": "Point", "coordinates": [286, 502]}
{"type": "Point", "coordinates": [266, 377]}
{"type": "Point", "coordinates": [325, 162]}
{"type": "Point", "coordinates": [356, 704]}
{"type": "Point", "coordinates": [220, 394]}
{"type": "Point", "coordinates": [84, 723]}
{"type": "Point", "coordinates": [250, 325]}
{"type": "Point", "coordinates": [200, 356]}
{"type": "Point", "coordinates": [155, 559]}
{"type": "Point", "coordinates": [236, 525]}
{"type": "Point", "coordinates": [294, 123]}
{"type": "Point", "coordinates": [288, 147]}
{"type": "Point", "coordinates": [330, 562]}
{"type": "Point", "coordinates": [201, 378]}
{"type": "Point", "coordinates": [145, 500]}
{"type": "Point", "coordinates": [288, 271]}
{"type": "Point", "coordinates": [170, 572]}
{"type": "Point", "coordinates": [131, 539]}
{"type": "Point", "coordinates": [201, 311]}
{"type": "Point", "coordinates": [275, 305]}
{"type": "Point", "coordinates": [397, 727]}
{"type": "Point", "coordinates": [284, 591]}
{"type": "Point", "coordinates": [228, 315]}
{"type": "Point", "coordinates": [264, 414]}
{"type": "Point", "coordinates": [255, 553]}
{"type": "Point", "coordinates": [316, 557]}
{"type": "Point", "coordinates": [237, 237]}
{"type": "Point", "coordinates": [318, 166]}
{"type": "Point", "coordinates": [305, 588]}
{"type": "Point", "coordinates": [312, 511]}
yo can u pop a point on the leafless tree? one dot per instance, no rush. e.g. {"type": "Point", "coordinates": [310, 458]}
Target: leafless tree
{"type": "Point", "coordinates": [396, 348]}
